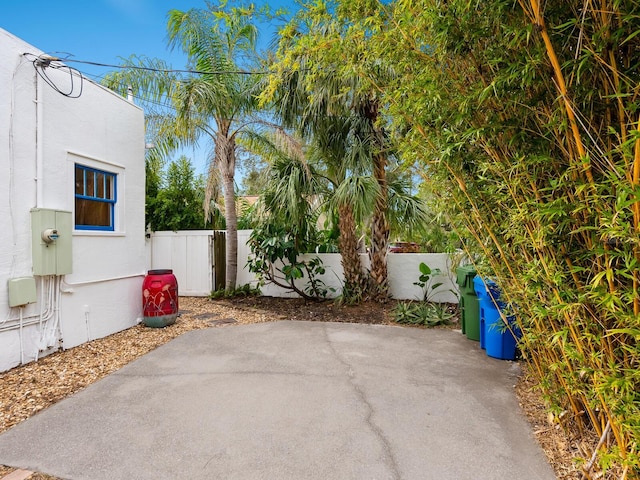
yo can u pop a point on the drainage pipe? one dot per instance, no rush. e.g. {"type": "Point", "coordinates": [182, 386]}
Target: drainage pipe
{"type": "Point", "coordinates": [21, 339]}
{"type": "Point", "coordinates": [39, 141]}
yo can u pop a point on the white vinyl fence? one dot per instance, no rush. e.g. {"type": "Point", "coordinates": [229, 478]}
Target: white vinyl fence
{"type": "Point", "coordinates": [190, 255]}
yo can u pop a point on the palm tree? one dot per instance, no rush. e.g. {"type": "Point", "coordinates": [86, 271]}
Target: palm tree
{"type": "Point", "coordinates": [340, 116]}
{"type": "Point", "coordinates": [315, 112]}
{"type": "Point", "coordinates": [372, 147]}
{"type": "Point", "coordinates": [347, 145]}
{"type": "Point", "coordinates": [292, 186]}
{"type": "Point", "coordinates": [213, 101]}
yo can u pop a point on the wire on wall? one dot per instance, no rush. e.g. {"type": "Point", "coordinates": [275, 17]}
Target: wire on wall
{"type": "Point", "coordinates": [41, 63]}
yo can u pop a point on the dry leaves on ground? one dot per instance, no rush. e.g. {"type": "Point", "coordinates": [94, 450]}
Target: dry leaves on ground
{"type": "Point", "coordinates": [30, 388]}
{"type": "Point", "coordinates": [553, 440]}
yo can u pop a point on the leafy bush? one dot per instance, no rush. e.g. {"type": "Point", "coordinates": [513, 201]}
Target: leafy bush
{"type": "Point", "coordinates": [425, 280]}
{"type": "Point", "coordinates": [422, 313]}
{"type": "Point", "coordinates": [276, 259]}
{"type": "Point", "coordinates": [525, 115]}
{"type": "Point", "coordinates": [243, 291]}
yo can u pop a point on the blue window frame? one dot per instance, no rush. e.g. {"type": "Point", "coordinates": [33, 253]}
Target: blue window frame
{"type": "Point", "coordinates": [95, 199]}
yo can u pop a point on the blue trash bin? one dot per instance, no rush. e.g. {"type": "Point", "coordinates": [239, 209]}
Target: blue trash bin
{"type": "Point", "coordinates": [483, 301]}
{"type": "Point", "coordinates": [496, 338]}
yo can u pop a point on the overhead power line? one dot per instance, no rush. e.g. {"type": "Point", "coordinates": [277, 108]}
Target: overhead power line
{"type": "Point", "coordinates": [152, 69]}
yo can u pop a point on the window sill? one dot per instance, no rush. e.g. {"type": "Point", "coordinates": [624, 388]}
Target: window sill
{"type": "Point", "coordinates": [97, 233]}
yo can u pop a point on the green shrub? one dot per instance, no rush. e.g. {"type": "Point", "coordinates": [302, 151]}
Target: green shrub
{"type": "Point", "coordinates": [422, 313]}
{"type": "Point", "coordinates": [242, 291]}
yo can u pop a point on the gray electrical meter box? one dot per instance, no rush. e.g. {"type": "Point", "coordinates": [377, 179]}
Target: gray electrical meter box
{"type": "Point", "coordinates": [51, 235]}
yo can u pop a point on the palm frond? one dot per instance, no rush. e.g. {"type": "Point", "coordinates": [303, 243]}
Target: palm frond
{"type": "Point", "coordinates": [407, 213]}
{"type": "Point", "coordinates": [360, 192]}
{"type": "Point", "coordinates": [152, 81]}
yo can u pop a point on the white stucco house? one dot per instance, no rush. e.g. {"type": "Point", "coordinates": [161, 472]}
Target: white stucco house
{"type": "Point", "coordinates": [72, 255]}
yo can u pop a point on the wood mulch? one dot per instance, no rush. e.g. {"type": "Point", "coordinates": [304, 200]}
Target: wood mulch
{"type": "Point", "coordinates": [30, 388]}
{"type": "Point", "coordinates": [555, 442]}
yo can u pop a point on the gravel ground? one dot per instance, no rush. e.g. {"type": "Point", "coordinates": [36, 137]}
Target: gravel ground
{"type": "Point", "coordinates": [30, 388]}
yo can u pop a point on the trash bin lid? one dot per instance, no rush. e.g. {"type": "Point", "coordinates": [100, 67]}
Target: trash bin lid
{"type": "Point", "coordinates": [487, 289]}
{"type": "Point", "coordinates": [465, 274]}
{"type": "Point", "coordinates": [479, 286]}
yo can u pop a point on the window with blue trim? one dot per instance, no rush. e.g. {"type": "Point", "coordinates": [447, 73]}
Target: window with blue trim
{"type": "Point", "coordinates": [95, 199]}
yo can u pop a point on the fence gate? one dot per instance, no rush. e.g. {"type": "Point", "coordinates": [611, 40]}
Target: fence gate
{"type": "Point", "coordinates": [187, 253]}
{"type": "Point", "coordinates": [218, 243]}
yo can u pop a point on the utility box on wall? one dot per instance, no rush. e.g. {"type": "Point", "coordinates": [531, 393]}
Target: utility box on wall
{"type": "Point", "coordinates": [22, 291]}
{"type": "Point", "coordinates": [51, 233]}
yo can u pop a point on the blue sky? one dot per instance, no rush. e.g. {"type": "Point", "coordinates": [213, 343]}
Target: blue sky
{"type": "Point", "coordinates": [103, 31]}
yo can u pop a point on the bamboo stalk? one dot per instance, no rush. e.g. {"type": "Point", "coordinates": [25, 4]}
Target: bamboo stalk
{"type": "Point", "coordinates": [636, 220]}
{"type": "Point", "coordinates": [589, 465]}
{"type": "Point", "coordinates": [620, 440]}
{"type": "Point", "coordinates": [538, 20]}
{"type": "Point", "coordinates": [582, 150]}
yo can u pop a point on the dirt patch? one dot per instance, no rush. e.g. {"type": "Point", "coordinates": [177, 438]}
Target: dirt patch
{"type": "Point", "coordinates": [31, 388]}
{"type": "Point", "coordinates": [272, 308]}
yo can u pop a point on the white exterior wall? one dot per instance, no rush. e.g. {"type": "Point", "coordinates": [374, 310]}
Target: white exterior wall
{"type": "Point", "coordinates": [187, 256]}
{"type": "Point", "coordinates": [42, 135]}
{"type": "Point", "coordinates": [332, 278]}
{"type": "Point", "coordinates": [403, 271]}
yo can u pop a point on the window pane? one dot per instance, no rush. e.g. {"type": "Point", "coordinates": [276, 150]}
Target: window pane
{"type": "Point", "coordinates": [110, 187]}
{"type": "Point", "coordinates": [93, 213]}
{"type": "Point", "coordinates": [79, 181]}
{"type": "Point", "coordinates": [90, 184]}
{"type": "Point", "coordinates": [100, 185]}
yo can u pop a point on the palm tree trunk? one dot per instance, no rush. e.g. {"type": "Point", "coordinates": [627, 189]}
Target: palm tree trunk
{"type": "Point", "coordinates": [380, 224]}
{"type": "Point", "coordinates": [354, 279]}
{"type": "Point", "coordinates": [380, 233]}
{"type": "Point", "coordinates": [226, 158]}
{"type": "Point", "coordinates": [231, 220]}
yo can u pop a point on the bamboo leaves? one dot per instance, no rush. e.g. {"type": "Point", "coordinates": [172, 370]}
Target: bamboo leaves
{"type": "Point", "coordinates": [527, 116]}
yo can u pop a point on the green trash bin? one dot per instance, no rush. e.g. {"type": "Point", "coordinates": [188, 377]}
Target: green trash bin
{"type": "Point", "coordinates": [469, 305]}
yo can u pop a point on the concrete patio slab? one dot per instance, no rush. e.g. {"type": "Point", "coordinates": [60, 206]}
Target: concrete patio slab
{"type": "Point", "coordinates": [291, 400]}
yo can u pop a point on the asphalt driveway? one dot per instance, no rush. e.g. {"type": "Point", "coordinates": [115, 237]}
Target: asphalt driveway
{"type": "Point", "coordinates": [291, 400]}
